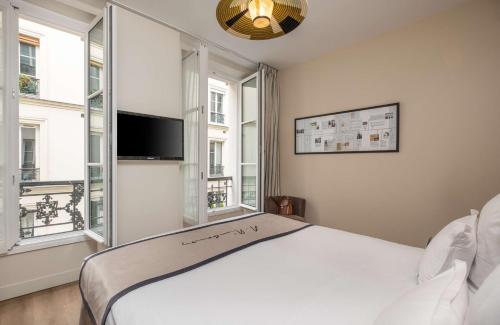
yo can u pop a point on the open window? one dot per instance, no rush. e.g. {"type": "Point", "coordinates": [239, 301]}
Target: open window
{"type": "Point", "coordinates": [249, 143]}
{"type": "Point", "coordinates": [9, 133]}
{"type": "Point", "coordinates": [98, 131]}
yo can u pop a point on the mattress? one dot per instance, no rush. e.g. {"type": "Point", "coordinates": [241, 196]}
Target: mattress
{"type": "Point", "coordinates": [315, 276]}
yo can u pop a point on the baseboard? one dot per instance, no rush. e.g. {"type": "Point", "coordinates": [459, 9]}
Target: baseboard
{"type": "Point", "coordinates": [37, 284]}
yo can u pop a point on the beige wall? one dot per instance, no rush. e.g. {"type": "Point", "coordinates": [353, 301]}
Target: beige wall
{"type": "Point", "coordinates": [445, 71]}
{"type": "Point", "coordinates": [149, 193]}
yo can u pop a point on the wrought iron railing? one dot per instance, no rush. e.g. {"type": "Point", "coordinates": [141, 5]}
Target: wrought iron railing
{"type": "Point", "coordinates": [216, 170]}
{"type": "Point", "coordinates": [219, 189]}
{"type": "Point", "coordinates": [30, 174]}
{"type": "Point", "coordinates": [29, 85]}
{"type": "Point", "coordinates": [47, 208]}
{"type": "Point", "coordinates": [218, 118]}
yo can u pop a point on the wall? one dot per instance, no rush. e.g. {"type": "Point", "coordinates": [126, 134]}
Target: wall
{"type": "Point", "coordinates": [149, 194]}
{"type": "Point", "coordinates": [41, 269]}
{"type": "Point", "coordinates": [60, 58]}
{"type": "Point", "coordinates": [60, 154]}
{"type": "Point", "coordinates": [445, 71]}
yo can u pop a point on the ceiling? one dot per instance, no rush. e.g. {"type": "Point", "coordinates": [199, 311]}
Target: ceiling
{"type": "Point", "coordinates": [329, 25]}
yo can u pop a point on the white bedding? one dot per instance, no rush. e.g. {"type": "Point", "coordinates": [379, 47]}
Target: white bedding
{"type": "Point", "coordinates": [315, 276]}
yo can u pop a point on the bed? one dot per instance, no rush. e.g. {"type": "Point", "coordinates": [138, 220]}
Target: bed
{"type": "Point", "coordinates": [311, 274]}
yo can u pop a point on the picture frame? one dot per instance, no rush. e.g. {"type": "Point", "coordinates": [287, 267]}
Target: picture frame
{"type": "Point", "coordinates": [372, 129]}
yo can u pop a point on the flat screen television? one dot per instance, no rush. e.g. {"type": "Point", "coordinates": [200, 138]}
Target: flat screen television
{"type": "Point", "coordinates": [148, 137]}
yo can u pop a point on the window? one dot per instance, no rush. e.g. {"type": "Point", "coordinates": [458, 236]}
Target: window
{"type": "Point", "coordinates": [94, 78]}
{"type": "Point", "coordinates": [216, 168]}
{"type": "Point", "coordinates": [217, 107]}
{"type": "Point", "coordinates": [28, 84]}
{"type": "Point", "coordinates": [95, 148]}
{"type": "Point", "coordinates": [27, 59]}
{"type": "Point", "coordinates": [29, 170]}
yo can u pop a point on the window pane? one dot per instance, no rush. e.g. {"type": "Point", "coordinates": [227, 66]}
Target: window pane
{"type": "Point", "coordinates": [249, 101]}
{"type": "Point", "coordinates": [96, 50]}
{"type": "Point", "coordinates": [249, 143]}
{"type": "Point", "coordinates": [249, 185]}
{"type": "Point", "coordinates": [96, 199]}
{"type": "Point", "coordinates": [95, 148]}
{"type": "Point", "coordinates": [51, 190]}
{"type": "Point", "coordinates": [218, 153]}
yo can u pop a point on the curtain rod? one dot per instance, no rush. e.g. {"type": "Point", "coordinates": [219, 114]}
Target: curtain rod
{"type": "Point", "coordinates": [180, 30]}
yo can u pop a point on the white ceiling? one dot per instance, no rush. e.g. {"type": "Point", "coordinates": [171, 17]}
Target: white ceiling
{"type": "Point", "coordinates": [329, 25]}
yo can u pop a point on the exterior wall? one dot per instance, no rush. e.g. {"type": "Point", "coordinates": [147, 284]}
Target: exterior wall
{"type": "Point", "coordinates": [59, 63]}
{"type": "Point", "coordinates": [61, 138]}
{"type": "Point", "coordinates": [445, 71]}
{"type": "Point", "coordinates": [58, 109]}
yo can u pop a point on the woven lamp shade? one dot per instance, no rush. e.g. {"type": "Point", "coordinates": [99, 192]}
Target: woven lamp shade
{"type": "Point", "coordinates": [234, 17]}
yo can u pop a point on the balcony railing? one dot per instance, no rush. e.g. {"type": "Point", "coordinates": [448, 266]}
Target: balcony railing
{"type": "Point", "coordinates": [218, 118]}
{"type": "Point", "coordinates": [218, 191]}
{"type": "Point", "coordinates": [249, 191]}
{"type": "Point", "coordinates": [29, 85]}
{"type": "Point", "coordinates": [47, 208]}
{"type": "Point", "coordinates": [30, 174]}
{"type": "Point", "coordinates": [216, 170]}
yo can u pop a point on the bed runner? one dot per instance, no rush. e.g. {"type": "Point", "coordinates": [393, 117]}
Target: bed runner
{"type": "Point", "coordinates": [110, 274]}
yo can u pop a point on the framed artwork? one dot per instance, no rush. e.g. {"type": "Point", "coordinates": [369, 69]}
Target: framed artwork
{"type": "Point", "coordinates": [363, 130]}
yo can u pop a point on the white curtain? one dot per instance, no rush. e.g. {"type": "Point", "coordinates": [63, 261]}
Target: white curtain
{"type": "Point", "coordinates": [190, 95]}
{"type": "Point", "coordinates": [270, 107]}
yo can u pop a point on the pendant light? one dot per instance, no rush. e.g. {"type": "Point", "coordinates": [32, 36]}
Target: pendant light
{"type": "Point", "coordinates": [260, 19]}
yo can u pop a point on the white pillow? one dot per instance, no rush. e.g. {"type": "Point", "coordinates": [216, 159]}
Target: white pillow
{"type": "Point", "coordinates": [440, 301]}
{"type": "Point", "coordinates": [488, 242]}
{"type": "Point", "coordinates": [456, 241]}
{"type": "Point", "coordinates": [485, 304]}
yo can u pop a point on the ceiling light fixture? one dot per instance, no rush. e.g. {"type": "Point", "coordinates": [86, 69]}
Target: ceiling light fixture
{"type": "Point", "coordinates": [261, 19]}
{"type": "Point", "coordinates": [261, 12]}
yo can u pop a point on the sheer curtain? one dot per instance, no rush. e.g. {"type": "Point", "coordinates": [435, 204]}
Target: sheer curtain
{"type": "Point", "coordinates": [270, 108]}
{"type": "Point", "coordinates": [190, 96]}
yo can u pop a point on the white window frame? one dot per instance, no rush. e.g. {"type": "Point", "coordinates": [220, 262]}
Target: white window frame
{"type": "Point", "coordinates": [36, 48]}
{"type": "Point", "coordinates": [220, 92]}
{"type": "Point", "coordinates": [35, 126]}
{"type": "Point", "coordinates": [108, 139]}
{"type": "Point", "coordinates": [13, 244]}
{"type": "Point", "coordinates": [240, 146]}
{"type": "Point", "coordinates": [215, 142]}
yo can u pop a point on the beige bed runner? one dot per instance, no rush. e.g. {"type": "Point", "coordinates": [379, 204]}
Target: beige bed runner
{"type": "Point", "coordinates": [110, 274]}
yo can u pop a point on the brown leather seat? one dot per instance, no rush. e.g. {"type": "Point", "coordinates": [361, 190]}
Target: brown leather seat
{"type": "Point", "coordinates": [299, 205]}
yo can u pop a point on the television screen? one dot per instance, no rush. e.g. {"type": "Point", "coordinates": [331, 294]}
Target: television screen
{"type": "Point", "coordinates": [146, 137]}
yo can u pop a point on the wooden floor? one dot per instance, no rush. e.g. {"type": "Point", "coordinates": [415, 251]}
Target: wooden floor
{"type": "Point", "coordinates": [55, 306]}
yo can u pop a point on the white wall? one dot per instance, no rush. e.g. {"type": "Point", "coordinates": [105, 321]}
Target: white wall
{"type": "Point", "coordinates": [148, 65]}
{"type": "Point", "coordinates": [37, 270]}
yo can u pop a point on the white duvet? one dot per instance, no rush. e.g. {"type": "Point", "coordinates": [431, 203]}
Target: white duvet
{"type": "Point", "coordinates": [315, 276]}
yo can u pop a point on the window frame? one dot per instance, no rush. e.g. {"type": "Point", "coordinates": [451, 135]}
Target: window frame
{"type": "Point", "coordinates": [32, 57]}
{"type": "Point", "coordinates": [213, 110]}
{"type": "Point", "coordinates": [257, 164]}
{"type": "Point", "coordinates": [215, 155]}
{"type": "Point", "coordinates": [36, 149]}
{"type": "Point", "coordinates": [13, 244]}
